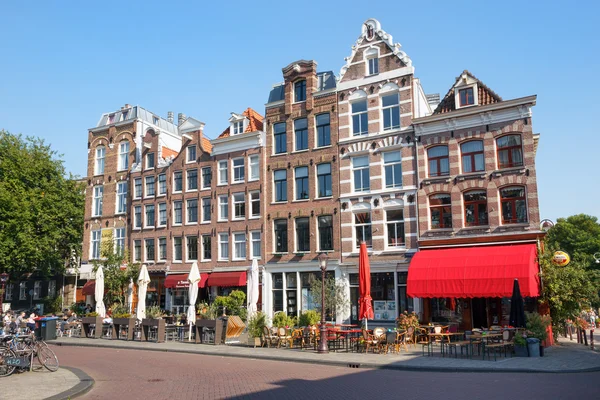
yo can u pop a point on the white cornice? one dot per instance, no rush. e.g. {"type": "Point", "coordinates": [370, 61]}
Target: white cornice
{"type": "Point", "coordinates": [245, 141]}
{"type": "Point", "coordinates": [275, 104]}
{"type": "Point", "coordinates": [396, 73]}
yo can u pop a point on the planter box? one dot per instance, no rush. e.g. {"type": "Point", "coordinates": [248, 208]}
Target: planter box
{"type": "Point", "coordinates": [159, 324]}
{"type": "Point", "coordinates": [254, 341]}
{"type": "Point", "coordinates": [86, 328]}
{"type": "Point", "coordinates": [215, 324]}
{"type": "Point", "coordinates": [118, 323]}
{"type": "Point", "coordinates": [521, 351]}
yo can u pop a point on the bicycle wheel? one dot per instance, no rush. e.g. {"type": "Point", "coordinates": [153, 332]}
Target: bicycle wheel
{"type": "Point", "coordinates": [6, 370]}
{"type": "Point", "coordinates": [48, 359]}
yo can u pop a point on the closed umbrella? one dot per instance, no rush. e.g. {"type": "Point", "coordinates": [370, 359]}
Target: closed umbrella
{"type": "Point", "coordinates": [252, 288]}
{"type": "Point", "coordinates": [99, 292]}
{"type": "Point", "coordinates": [193, 279]}
{"type": "Point", "coordinates": [365, 306]}
{"type": "Point", "coordinates": [130, 295]}
{"type": "Point", "coordinates": [143, 281]}
{"type": "Point", "coordinates": [517, 308]}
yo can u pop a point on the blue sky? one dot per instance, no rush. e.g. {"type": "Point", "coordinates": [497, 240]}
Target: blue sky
{"type": "Point", "coordinates": [65, 63]}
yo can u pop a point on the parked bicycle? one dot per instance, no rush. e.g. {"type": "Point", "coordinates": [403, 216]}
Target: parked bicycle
{"type": "Point", "coordinates": [18, 351]}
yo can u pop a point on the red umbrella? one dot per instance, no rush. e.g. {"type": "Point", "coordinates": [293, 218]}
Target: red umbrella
{"type": "Point", "coordinates": [365, 307]}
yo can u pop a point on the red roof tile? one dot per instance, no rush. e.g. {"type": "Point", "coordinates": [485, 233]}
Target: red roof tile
{"type": "Point", "coordinates": [255, 123]}
{"type": "Point", "coordinates": [166, 152]}
{"type": "Point", "coordinates": [206, 145]}
{"type": "Point", "coordinates": [485, 95]}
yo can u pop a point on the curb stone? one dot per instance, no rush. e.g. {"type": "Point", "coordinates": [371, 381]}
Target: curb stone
{"type": "Point", "coordinates": [86, 382]}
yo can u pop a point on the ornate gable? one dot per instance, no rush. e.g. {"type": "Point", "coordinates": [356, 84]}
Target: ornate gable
{"type": "Point", "coordinates": [466, 80]}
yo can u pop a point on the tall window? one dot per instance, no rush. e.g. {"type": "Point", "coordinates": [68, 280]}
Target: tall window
{"type": "Point", "coordinates": [239, 243]}
{"type": "Point", "coordinates": [162, 184]}
{"type": "Point", "coordinates": [301, 133]}
{"type": "Point", "coordinates": [150, 217]}
{"type": "Point", "coordinates": [239, 205]}
{"type": "Point", "coordinates": [177, 181]}
{"type": "Point", "coordinates": [223, 246]}
{"type": "Point", "coordinates": [514, 206]}
{"type": "Point", "coordinates": [373, 65]}
{"type": "Point", "coordinates": [177, 212]}
{"type": "Point", "coordinates": [37, 289]}
{"type": "Point", "coordinates": [121, 197]}
{"type": "Point", "coordinates": [192, 210]}
{"type": "Point", "coordinates": [206, 209]}
{"type": "Point", "coordinates": [255, 204]}
{"type": "Point", "coordinates": [123, 156]}
{"type": "Point", "coordinates": [238, 170]}
{"type": "Point", "coordinates": [223, 179]}
{"type": "Point", "coordinates": [393, 169]}
{"type": "Point", "coordinates": [280, 138]}
{"type": "Point", "coordinates": [9, 292]}
{"type": "Point", "coordinates": [280, 180]}
{"type": "Point", "coordinates": [51, 288]}
{"type": "Point", "coordinates": [192, 179]}
{"type": "Point", "coordinates": [162, 214]}
{"type": "Point", "coordinates": [439, 164]}
{"type": "Point", "coordinates": [281, 242]}
{"type": "Point", "coordinates": [466, 97]}
{"type": "Point", "coordinates": [475, 208]}
{"type": "Point", "coordinates": [301, 183]}
{"type": "Point", "coordinates": [206, 247]}
{"type": "Point", "coordinates": [360, 169]}
{"type": "Point", "coordinates": [360, 118]}
{"type": "Point", "coordinates": [253, 161]}
{"type": "Point", "coordinates": [98, 194]}
{"type": "Point", "coordinates": [100, 154]}
{"type": "Point", "coordinates": [137, 216]}
{"type": "Point", "coordinates": [324, 180]}
{"type": "Point", "coordinates": [300, 91]}
{"type": "Point", "coordinates": [177, 253]}
{"type": "Point", "coordinates": [119, 240]}
{"type": "Point", "coordinates": [191, 153]}
{"type": "Point", "coordinates": [150, 189]}
{"type": "Point", "coordinates": [22, 290]}
{"type": "Point", "coordinates": [96, 244]}
{"type": "Point", "coordinates": [472, 156]}
{"type": "Point", "coordinates": [256, 241]}
{"type": "Point", "coordinates": [150, 251]}
{"type": "Point", "coordinates": [137, 250]}
{"type": "Point", "coordinates": [323, 130]}
{"type": "Point", "coordinates": [302, 235]}
{"type": "Point", "coordinates": [440, 206]}
{"type": "Point", "coordinates": [395, 228]}
{"type": "Point", "coordinates": [362, 226]}
{"type": "Point", "coordinates": [149, 160]}
{"type": "Point", "coordinates": [223, 208]}
{"type": "Point", "coordinates": [238, 127]}
{"type": "Point", "coordinates": [277, 292]}
{"type": "Point", "coordinates": [325, 232]}
{"type": "Point", "coordinates": [206, 177]}
{"type": "Point", "coordinates": [137, 188]}
{"type": "Point", "coordinates": [192, 248]}
{"type": "Point", "coordinates": [510, 151]}
{"type": "Point", "coordinates": [390, 107]}
{"type": "Point", "coordinates": [162, 249]}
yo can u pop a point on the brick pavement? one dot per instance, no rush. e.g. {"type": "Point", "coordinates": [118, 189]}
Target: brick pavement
{"type": "Point", "coordinates": [569, 357]}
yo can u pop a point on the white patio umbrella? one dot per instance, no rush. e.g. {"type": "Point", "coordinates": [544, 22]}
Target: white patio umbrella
{"type": "Point", "coordinates": [252, 288]}
{"type": "Point", "coordinates": [130, 295]}
{"type": "Point", "coordinates": [143, 281]}
{"type": "Point", "coordinates": [99, 292]}
{"type": "Point", "coordinates": [193, 279]}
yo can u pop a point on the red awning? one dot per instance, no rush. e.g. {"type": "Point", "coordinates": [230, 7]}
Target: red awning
{"type": "Point", "coordinates": [487, 271]}
{"type": "Point", "coordinates": [227, 279]}
{"type": "Point", "coordinates": [89, 289]}
{"type": "Point", "coordinates": [179, 281]}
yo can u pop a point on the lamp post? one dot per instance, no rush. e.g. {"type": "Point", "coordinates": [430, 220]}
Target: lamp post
{"type": "Point", "coordinates": [323, 348]}
{"type": "Point", "coordinates": [3, 279]}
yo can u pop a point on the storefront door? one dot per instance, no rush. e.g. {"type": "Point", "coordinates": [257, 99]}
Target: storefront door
{"type": "Point", "coordinates": [479, 313]}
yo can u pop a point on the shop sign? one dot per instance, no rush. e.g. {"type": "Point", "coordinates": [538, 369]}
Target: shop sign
{"type": "Point", "coordinates": [561, 259]}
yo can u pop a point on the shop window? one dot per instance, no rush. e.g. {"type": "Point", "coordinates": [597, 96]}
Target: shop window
{"type": "Point", "coordinates": [405, 303]}
{"type": "Point", "coordinates": [291, 284]}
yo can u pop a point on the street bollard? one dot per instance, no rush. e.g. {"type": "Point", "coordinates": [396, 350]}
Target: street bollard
{"type": "Point", "coordinates": [570, 329]}
{"type": "Point", "coordinates": [584, 337]}
{"type": "Point", "coordinates": [592, 339]}
{"type": "Point", "coordinates": [579, 336]}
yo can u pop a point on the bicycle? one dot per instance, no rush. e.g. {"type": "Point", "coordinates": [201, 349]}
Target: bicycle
{"type": "Point", "coordinates": [14, 349]}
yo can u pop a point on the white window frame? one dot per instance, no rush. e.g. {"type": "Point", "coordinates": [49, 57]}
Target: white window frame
{"type": "Point", "coordinates": [160, 192]}
{"type": "Point", "coordinates": [51, 288]}
{"type": "Point", "coordinates": [223, 242]}
{"type": "Point", "coordinates": [202, 247]}
{"type": "Point", "coordinates": [123, 155]}
{"type": "Point", "coordinates": [147, 179]}
{"type": "Point", "coordinates": [121, 203]}
{"type": "Point", "coordinates": [361, 168]}
{"type": "Point", "coordinates": [234, 217]}
{"type": "Point", "coordinates": [148, 160]}
{"type": "Point", "coordinates": [355, 225]}
{"type": "Point", "coordinates": [137, 195]}
{"type": "Point", "coordinates": [389, 109]}
{"type": "Point", "coordinates": [255, 239]}
{"type": "Point", "coordinates": [187, 248]}
{"type": "Point", "coordinates": [357, 97]}
{"type": "Point", "coordinates": [236, 242]}
{"type": "Point", "coordinates": [223, 177]}
{"type": "Point", "coordinates": [177, 260]}
{"type": "Point", "coordinates": [158, 221]}
{"type": "Point", "coordinates": [174, 179]}
{"type": "Point", "coordinates": [223, 206]}
{"type": "Point", "coordinates": [175, 223]}
{"type": "Point", "coordinates": [204, 185]}
{"type": "Point", "coordinates": [238, 127]}
{"type": "Point", "coordinates": [22, 290]}
{"type": "Point", "coordinates": [254, 167]}
{"type": "Point", "coordinates": [146, 207]}
{"type": "Point", "coordinates": [202, 219]}
{"type": "Point", "coordinates": [95, 241]}
{"type": "Point", "coordinates": [97, 201]}
{"type": "Point", "coordinates": [237, 168]}
{"type": "Point", "coordinates": [164, 240]}
{"type": "Point", "coordinates": [253, 199]}
{"type": "Point", "coordinates": [100, 157]}
{"type": "Point", "coordinates": [119, 240]}
{"type": "Point", "coordinates": [371, 54]}
{"type": "Point", "coordinates": [392, 164]}
{"type": "Point", "coordinates": [8, 294]}
{"type": "Point", "coordinates": [187, 180]}
{"type": "Point", "coordinates": [137, 225]}
{"type": "Point", "coordinates": [188, 151]}
{"type": "Point", "coordinates": [386, 229]}
{"type": "Point", "coordinates": [145, 250]}
{"type": "Point", "coordinates": [319, 233]}
{"type": "Point", "coordinates": [187, 212]}
{"type": "Point", "coordinates": [135, 243]}
{"type": "Point", "coordinates": [37, 290]}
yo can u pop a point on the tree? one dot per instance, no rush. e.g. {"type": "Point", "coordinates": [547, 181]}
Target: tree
{"type": "Point", "coordinates": [335, 296]}
{"type": "Point", "coordinates": [579, 236]}
{"type": "Point", "coordinates": [41, 209]}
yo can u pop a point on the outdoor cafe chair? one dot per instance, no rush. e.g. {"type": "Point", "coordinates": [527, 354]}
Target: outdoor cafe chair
{"type": "Point", "coordinates": [284, 337]}
{"type": "Point", "coordinates": [269, 337]}
{"type": "Point", "coordinates": [455, 345]}
{"type": "Point", "coordinates": [401, 340]}
{"type": "Point", "coordinates": [423, 338]}
{"type": "Point", "coordinates": [370, 341]}
{"type": "Point", "coordinates": [298, 338]}
{"type": "Point", "coordinates": [410, 336]}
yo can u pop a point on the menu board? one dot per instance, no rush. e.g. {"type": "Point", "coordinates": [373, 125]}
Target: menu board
{"type": "Point", "coordinates": [384, 310]}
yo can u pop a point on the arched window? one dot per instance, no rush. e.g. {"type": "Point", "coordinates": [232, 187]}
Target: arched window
{"type": "Point", "coordinates": [439, 165]}
{"type": "Point", "coordinates": [472, 156]}
{"type": "Point", "coordinates": [514, 205]}
{"type": "Point", "coordinates": [475, 208]}
{"type": "Point", "coordinates": [99, 165]}
{"type": "Point", "coordinates": [440, 207]}
{"type": "Point", "coordinates": [510, 151]}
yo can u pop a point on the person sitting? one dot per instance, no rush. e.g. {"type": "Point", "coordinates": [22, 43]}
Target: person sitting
{"type": "Point", "coordinates": [21, 318]}
{"type": "Point", "coordinates": [31, 322]}
{"type": "Point", "coordinates": [68, 321]}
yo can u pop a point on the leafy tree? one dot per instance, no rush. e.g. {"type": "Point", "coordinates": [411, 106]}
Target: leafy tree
{"type": "Point", "coordinates": [335, 296]}
{"type": "Point", "coordinates": [578, 235]}
{"type": "Point", "coordinates": [41, 208]}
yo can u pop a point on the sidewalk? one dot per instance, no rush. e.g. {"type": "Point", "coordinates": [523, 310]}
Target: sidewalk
{"type": "Point", "coordinates": [568, 357]}
{"type": "Point", "coordinates": [66, 383]}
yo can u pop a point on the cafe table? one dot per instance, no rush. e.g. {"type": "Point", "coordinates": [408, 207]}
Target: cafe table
{"type": "Point", "coordinates": [485, 338]}
{"type": "Point", "coordinates": [442, 336]}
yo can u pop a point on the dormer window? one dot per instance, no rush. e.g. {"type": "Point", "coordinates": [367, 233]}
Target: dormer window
{"type": "Point", "coordinates": [238, 127]}
{"type": "Point", "coordinates": [300, 91]}
{"type": "Point", "coordinates": [466, 97]}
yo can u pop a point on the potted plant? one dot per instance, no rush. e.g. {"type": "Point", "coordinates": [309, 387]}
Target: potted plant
{"type": "Point", "coordinates": [309, 318]}
{"type": "Point", "coordinates": [520, 344]}
{"type": "Point", "coordinates": [121, 317]}
{"type": "Point", "coordinates": [91, 319]}
{"type": "Point", "coordinates": [154, 318]}
{"type": "Point", "coordinates": [256, 325]}
{"type": "Point", "coordinates": [538, 326]}
{"type": "Point", "coordinates": [405, 320]}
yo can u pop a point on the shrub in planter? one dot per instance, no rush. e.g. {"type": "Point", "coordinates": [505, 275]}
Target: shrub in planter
{"type": "Point", "coordinates": [538, 325]}
{"type": "Point", "coordinates": [282, 320]}
{"type": "Point", "coordinates": [520, 342]}
{"type": "Point", "coordinates": [256, 324]}
{"type": "Point", "coordinates": [309, 318]}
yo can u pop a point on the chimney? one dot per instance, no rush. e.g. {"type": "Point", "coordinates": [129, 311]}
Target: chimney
{"type": "Point", "coordinates": [180, 118]}
{"type": "Point", "coordinates": [170, 116]}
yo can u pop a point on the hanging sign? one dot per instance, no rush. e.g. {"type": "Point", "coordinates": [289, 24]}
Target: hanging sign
{"type": "Point", "coordinates": [561, 259]}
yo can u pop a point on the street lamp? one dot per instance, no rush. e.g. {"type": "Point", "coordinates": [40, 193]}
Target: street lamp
{"type": "Point", "coordinates": [323, 348]}
{"type": "Point", "coordinates": [3, 279]}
